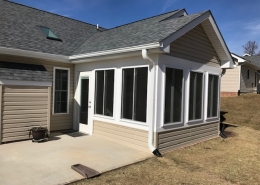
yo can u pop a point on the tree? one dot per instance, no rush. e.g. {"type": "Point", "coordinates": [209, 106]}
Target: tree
{"type": "Point", "coordinates": [250, 47]}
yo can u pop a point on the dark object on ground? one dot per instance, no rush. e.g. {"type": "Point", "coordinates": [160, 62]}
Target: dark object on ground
{"type": "Point", "coordinates": [85, 171]}
{"type": "Point", "coordinates": [222, 126]}
{"type": "Point", "coordinates": [157, 153]}
{"type": "Point", "coordinates": [38, 133]}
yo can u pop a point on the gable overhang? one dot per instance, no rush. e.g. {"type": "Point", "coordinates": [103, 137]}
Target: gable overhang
{"type": "Point", "coordinates": [33, 54]}
{"type": "Point", "coordinates": [211, 29]}
{"type": "Point", "coordinates": [239, 59]}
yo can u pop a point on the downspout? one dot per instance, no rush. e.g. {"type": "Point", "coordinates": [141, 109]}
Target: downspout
{"type": "Point", "coordinates": [152, 66]}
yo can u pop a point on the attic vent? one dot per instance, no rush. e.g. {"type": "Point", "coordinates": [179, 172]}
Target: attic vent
{"type": "Point", "coordinates": [49, 34]}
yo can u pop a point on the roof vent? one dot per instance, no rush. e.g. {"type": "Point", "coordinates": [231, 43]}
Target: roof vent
{"type": "Point", "coordinates": [97, 27]}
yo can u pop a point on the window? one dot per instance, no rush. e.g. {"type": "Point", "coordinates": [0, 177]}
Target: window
{"type": "Point", "coordinates": [61, 90]}
{"type": "Point", "coordinates": [247, 73]}
{"type": "Point", "coordinates": [49, 34]}
{"type": "Point", "coordinates": [195, 99]}
{"type": "Point", "coordinates": [173, 95]}
{"type": "Point", "coordinates": [255, 78]}
{"type": "Point", "coordinates": [212, 96]}
{"type": "Point", "coordinates": [134, 94]}
{"type": "Point", "coordinates": [104, 92]}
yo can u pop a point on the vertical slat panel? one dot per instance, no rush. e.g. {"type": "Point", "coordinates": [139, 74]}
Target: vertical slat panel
{"type": "Point", "coordinates": [1, 130]}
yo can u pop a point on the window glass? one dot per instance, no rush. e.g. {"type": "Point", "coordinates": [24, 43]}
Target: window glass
{"type": "Point", "coordinates": [61, 91]}
{"type": "Point", "coordinates": [195, 97]}
{"type": "Point", "coordinates": [212, 96]}
{"type": "Point", "coordinates": [104, 92]}
{"type": "Point", "coordinates": [134, 94]}
{"type": "Point", "coordinates": [49, 34]}
{"type": "Point", "coordinates": [173, 95]}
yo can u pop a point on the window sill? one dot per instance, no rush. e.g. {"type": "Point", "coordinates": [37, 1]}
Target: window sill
{"type": "Point", "coordinates": [133, 122]}
{"type": "Point", "coordinates": [102, 116]}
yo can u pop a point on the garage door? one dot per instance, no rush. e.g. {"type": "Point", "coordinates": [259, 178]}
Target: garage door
{"type": "Point", "coordinates": [22, 108]}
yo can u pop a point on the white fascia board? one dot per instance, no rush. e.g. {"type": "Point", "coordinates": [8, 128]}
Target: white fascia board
{"type": "Point", "coordinates": [115, 51]}
{"type": "Point", "coordinates": [224, 64]}
{"type": "Point", "coordinates": [25, 83]}
{"type": "Point", "coordinates": [166, 42]}
{"type": "Point", "coordinates": [33, 54]}
{"type": "Point", "coordinates": [239, 59]}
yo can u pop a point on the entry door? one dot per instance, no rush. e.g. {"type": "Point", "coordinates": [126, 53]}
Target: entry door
{"type": "Point", "coordinates": [85, 103]}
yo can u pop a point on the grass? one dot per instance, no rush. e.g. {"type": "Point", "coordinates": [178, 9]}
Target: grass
{"type": "Point", "coordinates": [235, 160]}
{"type": "Point", "coordinates": [242, 110]}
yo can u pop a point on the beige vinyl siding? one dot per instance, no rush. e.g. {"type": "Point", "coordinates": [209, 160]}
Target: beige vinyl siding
{"type": "Point", "coordinates": [23, 107]}
{"type": "Point", "coordinates": [230, 80]}
{"type": "Point", "coordinates": [170, 140]}
{"type": "Point", "coordinates": [245, 83]}
{"type": "Point", "coordinates": [57, 121]}
{"type": "Point", "coordinates": [195, 46]}
{"type": "Point", "coordinates": [127, 136]}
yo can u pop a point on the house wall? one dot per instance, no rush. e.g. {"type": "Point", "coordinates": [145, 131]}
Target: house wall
{"type": "Point", "coordinates": [195, 46]}
{"type": "Point", "coordinates": [123, 131]}
{"type": "Point", "coordinates": [23, 107]}
{"type": "Point", "coordinates": [248, 85]}
{"type": "Point", "coordinates": [173, 139]}
{"type": "Point", "coordinates": [57, 121]}
{"type": "Point", "coordinates": [230, 81]}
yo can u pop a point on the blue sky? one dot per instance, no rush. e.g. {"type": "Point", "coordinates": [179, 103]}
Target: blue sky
{"type": "Point", "coordinates": [238, 20]}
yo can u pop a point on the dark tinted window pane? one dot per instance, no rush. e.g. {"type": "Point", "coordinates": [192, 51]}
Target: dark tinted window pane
{"type": "Point", "coordinates": [140, 99]}
{"type": "Point", "coordinates": [173, 95]}
{"type": "Point", "coordinates": [127, 94]}
{"type": "Point", "coordinates": [198, 106]}
{"type": "Point", "coordinates": [109, 93]}
{"type": "Point", "coordinates": [212, 96]}
{"type": "Point", "coordinates": [63, 95]}
{"type": "Point", "coordinates": [84, 101]}
{"type": "Point", "coordinates": [168, 87]}
{"type": "Point", "coordinates": [63, 108]}
{"type": "Point", "coordinates": [99, 92]}
{"type": "Point", "coordinates": [195, 102]}
{"type": "Point", "coordinates": [177, 100]}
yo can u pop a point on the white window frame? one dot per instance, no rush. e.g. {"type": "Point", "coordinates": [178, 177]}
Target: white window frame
{"type": "Point", "coordinates": [195, 121]}
{"type": "Point", "coordinates": [121, 95]}
{"type": "Point", "coordinates": [206, 97]}
{"type": "Point", "coordinates": [94, 103]}
{"type": "Point", "coordinates": [163, 92]}
{"type": "Point", "coordinates": [53, 90]}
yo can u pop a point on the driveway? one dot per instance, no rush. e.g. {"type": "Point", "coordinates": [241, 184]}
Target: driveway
{"type": "Point", "coordinates": [50, 162]}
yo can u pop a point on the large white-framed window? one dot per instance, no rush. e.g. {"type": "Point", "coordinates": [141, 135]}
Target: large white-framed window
{"type": "Point", "coordinates": [104, 92]}
{"type": "Point", "coordinates": [173, 99]}
{"type": "Point", "coordinates": [196, 96]}
{"type": "Point", "coordinates": [134, 93]}
{"type": "Point", "coordinates": [61, 87]}
{"type": "Point", "coordinates": [213, 96]}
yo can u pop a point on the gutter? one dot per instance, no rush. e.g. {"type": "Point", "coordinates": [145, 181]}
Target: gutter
{"type": "Point", "coordinates": [152, 66]}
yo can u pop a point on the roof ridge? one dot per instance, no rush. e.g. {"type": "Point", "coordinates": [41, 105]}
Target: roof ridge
{"type": "Point", "coordinates": [51, 13]}
{"type": "Point", "coordinates": [142, 19]}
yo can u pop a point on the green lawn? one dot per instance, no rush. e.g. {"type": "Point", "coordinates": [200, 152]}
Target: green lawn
{"type": "Point", "coordinates": [235, 160]}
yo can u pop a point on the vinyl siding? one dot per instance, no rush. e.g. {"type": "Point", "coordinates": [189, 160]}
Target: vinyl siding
{"type": "Point", "coordinates": [246, 84]}
{"type": "Point", "coordinates": [57, 121]}
{"type": "Point", "coordinates": [230, 80]}
{"type": "Point", "coordinates": [195, 46]}
{"type": "Point", "coordinates": [127, 136]}
{"type": "Point", "coordinates": [23, 107]}
{"type": "Point", "coordinates": [170, 140]}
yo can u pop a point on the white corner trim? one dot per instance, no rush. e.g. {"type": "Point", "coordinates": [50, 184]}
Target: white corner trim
{"type": "Point", "coordinates": [25, 83]}
{"type": "Point", "coordinates": [33, 54]}
{"type": "Point", "coordinates": [53, 90]}
{"type": "Point", "coordinates": [116, 51]}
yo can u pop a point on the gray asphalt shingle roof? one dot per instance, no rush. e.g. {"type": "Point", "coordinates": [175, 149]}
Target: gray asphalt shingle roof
{"type": "Point", "coordinates": [146, 31]}
{"type": "Point", "coordinates": [19, 30]}
{"type": "Point", "coordinates": [253, 59]}
{"type": "Point", "coordinates": [26, 72]}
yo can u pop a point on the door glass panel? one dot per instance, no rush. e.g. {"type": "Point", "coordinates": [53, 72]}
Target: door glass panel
{"type": "Point", "coordinates": [84, 101]}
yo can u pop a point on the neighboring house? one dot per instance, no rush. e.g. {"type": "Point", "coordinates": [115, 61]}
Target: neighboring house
{"type": "Point", "coordinates": [244, 78]}
{"type": "Point", "coordinates": [153, 84]}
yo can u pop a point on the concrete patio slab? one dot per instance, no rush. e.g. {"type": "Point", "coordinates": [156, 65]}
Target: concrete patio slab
{"type": "Point", "coordinates": [50, 162]}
